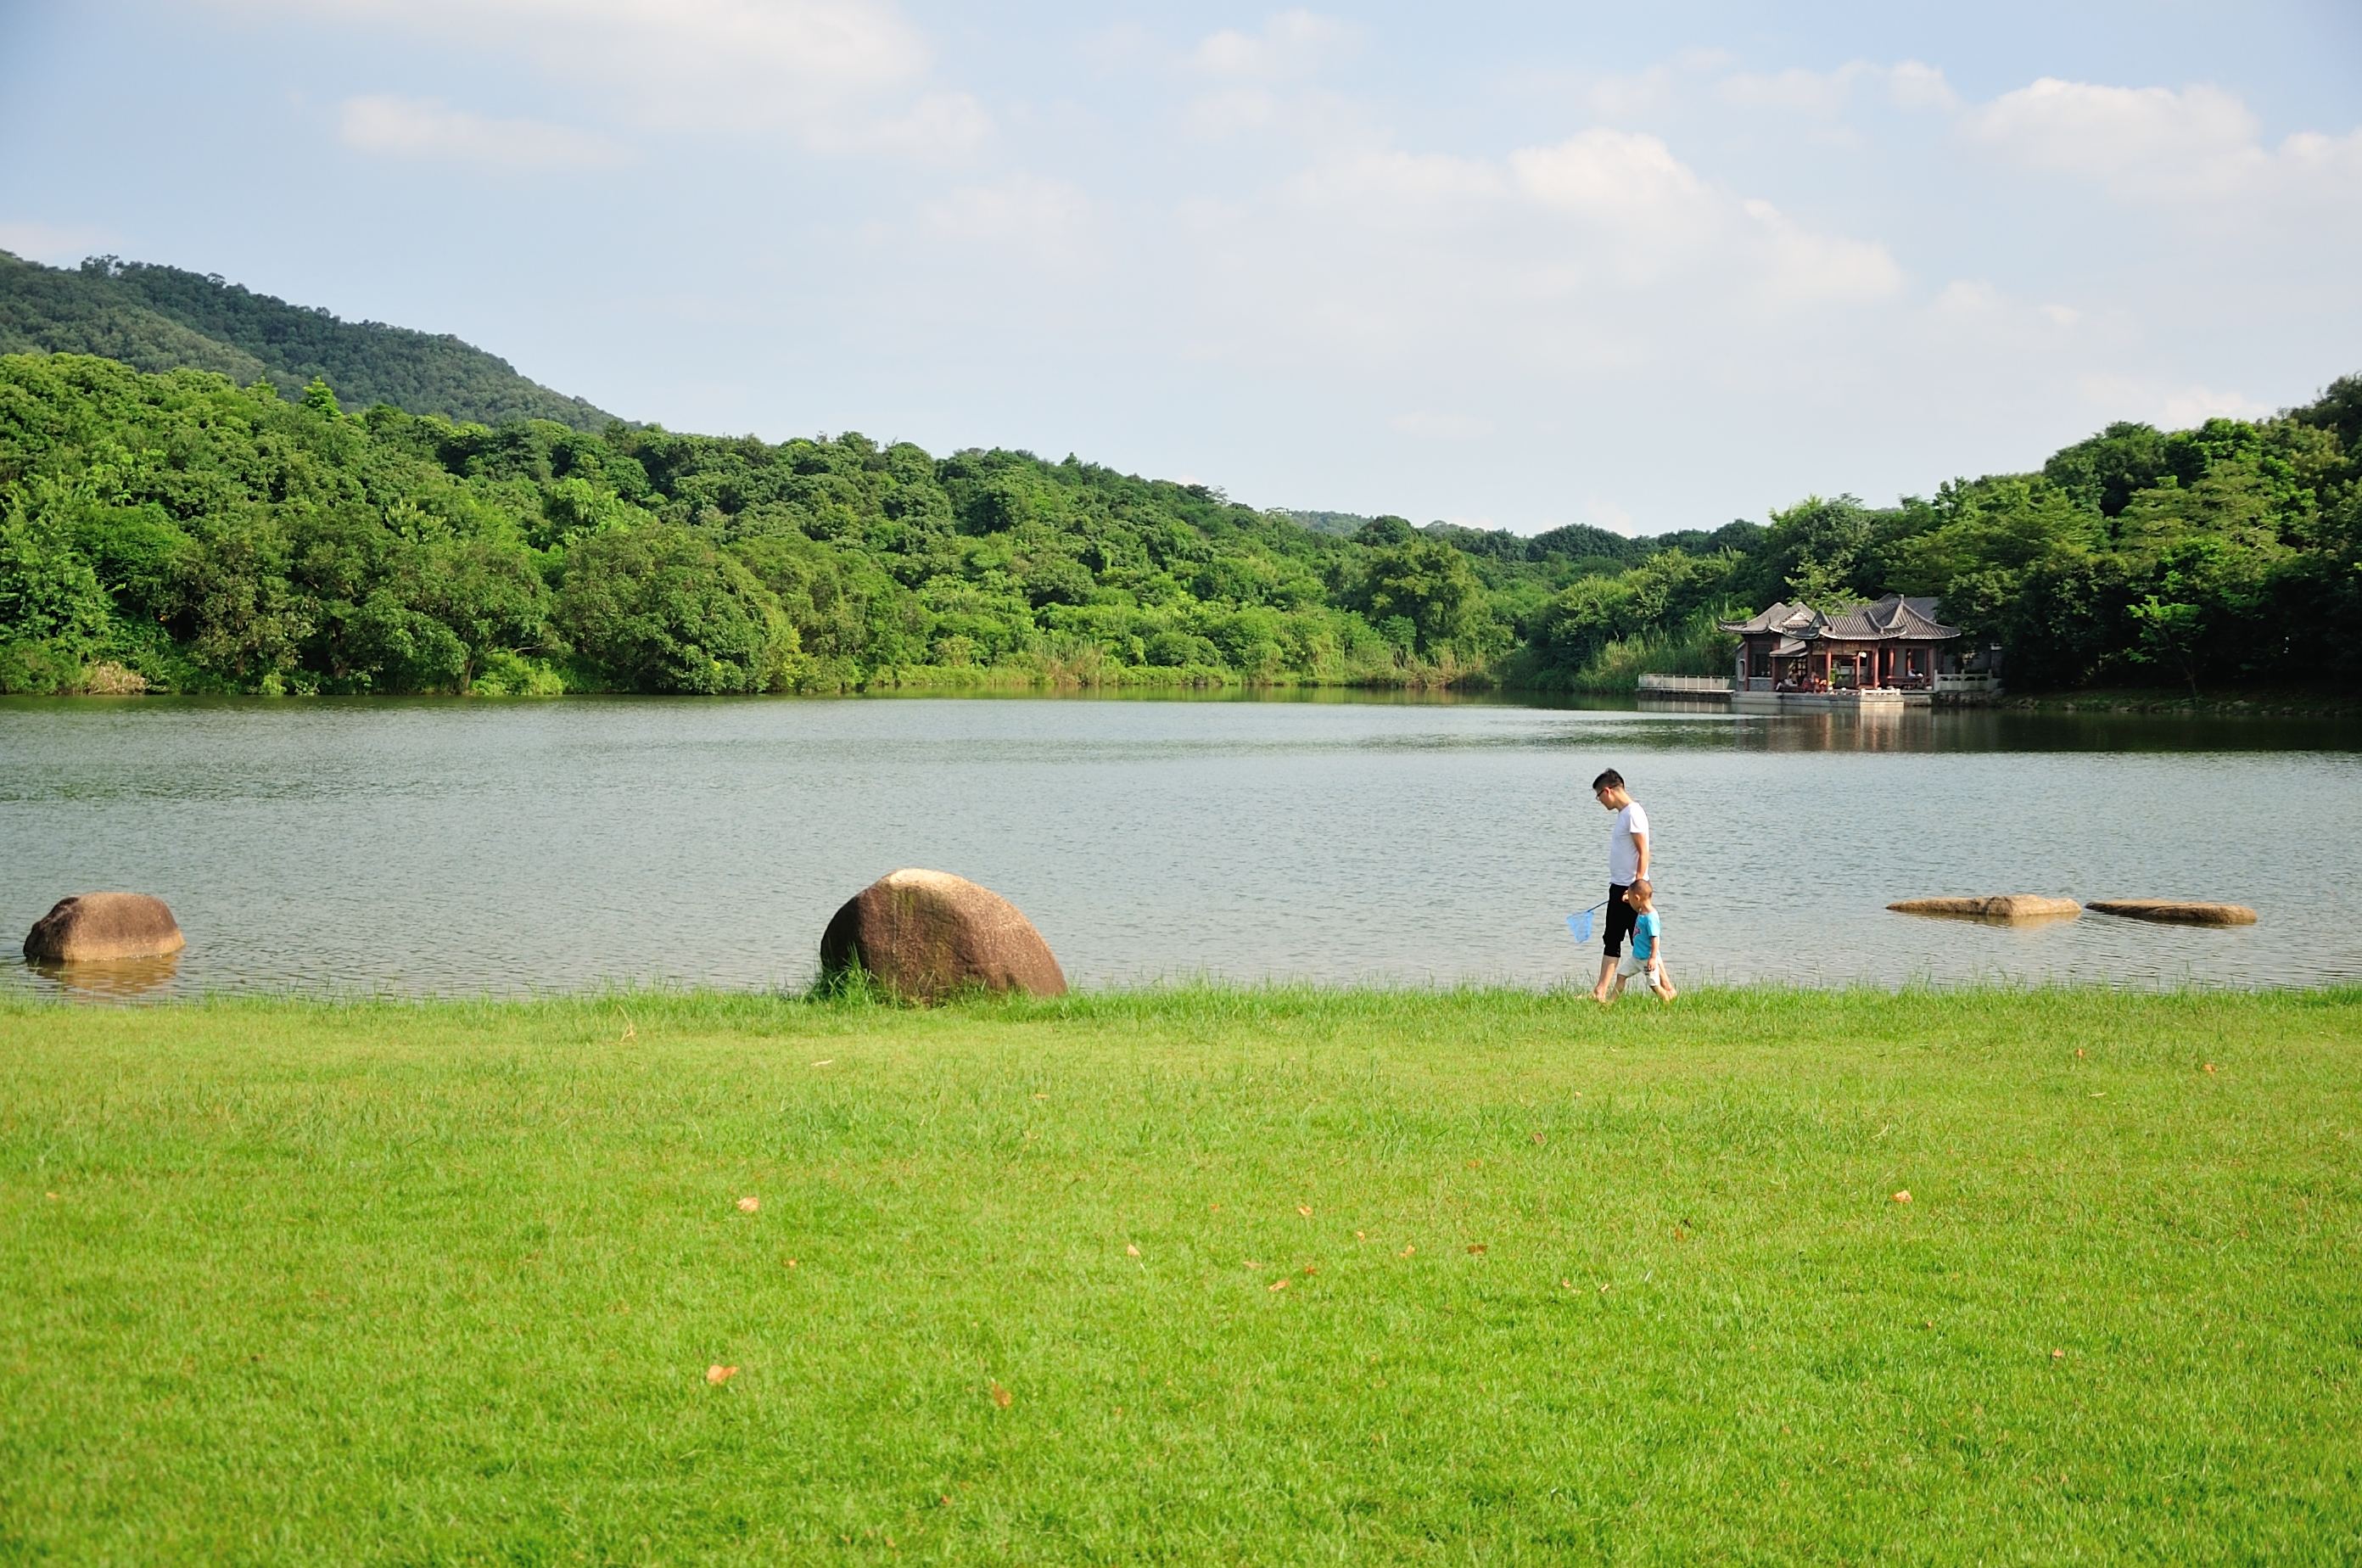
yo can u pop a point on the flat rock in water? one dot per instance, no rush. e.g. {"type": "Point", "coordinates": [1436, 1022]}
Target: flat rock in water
{"type": "Point", "coordinates": [927, 934]}
{"type": "Point", "coordinates": [95, 926]}
{"type": "Point", "coordinates": [2004, 907]}
{"type": "Point", "coordinates": [2175, 911]}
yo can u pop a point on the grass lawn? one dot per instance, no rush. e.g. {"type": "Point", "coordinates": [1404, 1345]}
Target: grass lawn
{"type": "Point", "coordinates": [1220, 1277]}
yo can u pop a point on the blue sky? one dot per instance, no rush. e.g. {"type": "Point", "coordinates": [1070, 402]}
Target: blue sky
{"type": "Point", "coordinates": [1515, 265]}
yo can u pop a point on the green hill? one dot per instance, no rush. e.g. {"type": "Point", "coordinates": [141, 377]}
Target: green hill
{"type": "Point", "coordinates": [162, 318]}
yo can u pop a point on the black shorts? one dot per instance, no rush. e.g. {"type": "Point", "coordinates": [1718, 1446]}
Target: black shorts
{"type": "Point", "coordinates": [1620, 916]}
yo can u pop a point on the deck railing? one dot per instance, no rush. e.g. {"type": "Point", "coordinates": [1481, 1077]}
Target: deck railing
{"type": "Point", "coordinates": [1684, 683]}
{"type": "Point", "coordinates": [1967, 680]}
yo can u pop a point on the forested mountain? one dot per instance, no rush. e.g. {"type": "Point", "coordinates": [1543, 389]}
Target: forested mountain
{"type": "Point", "coordinates": [162, 319]}
{"type": "Point", "coordinates": [185, 532]}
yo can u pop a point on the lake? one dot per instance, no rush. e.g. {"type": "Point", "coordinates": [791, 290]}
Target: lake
{"type": "Point", "coordinates": [442, 847]}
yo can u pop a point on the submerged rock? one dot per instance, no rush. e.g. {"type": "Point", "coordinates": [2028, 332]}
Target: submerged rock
{"type": "Point", "coordinates": [95, 926]}
{"type": "Point", "coordinates": [927, 934]}
{"type": "Point", "coordinates": [2004, 907]}
{"type": "Point", "coordinates": [2175, 911]}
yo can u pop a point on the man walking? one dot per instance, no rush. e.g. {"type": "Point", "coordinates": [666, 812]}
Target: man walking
{"type": "Point", "coordinates": [1627, 862]}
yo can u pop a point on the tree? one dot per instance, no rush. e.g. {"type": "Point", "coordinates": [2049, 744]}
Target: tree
{"type": "Point", "coordinates": [663, 609]}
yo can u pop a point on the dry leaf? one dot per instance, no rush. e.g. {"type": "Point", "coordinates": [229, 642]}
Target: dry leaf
{"type": "Point", "coordinates": [791, 1263]}
{"type": "Point", "coordinates": [720, 1374]}
{"type": "Point", "coordinates": [1001, 1396]}
{"type": "Point", "coordinates": [2210, 1067]}
{"type": "Point", "coordinates": [2078, 1052]}
{"type": "Point", "coordinates": [1132, 1247]}
{"type": "Point", "coordinates": [1902, 1198]}
{"type": "Point", "coordinates": [1931, 1323]}
{"type": "Point", "coordinates": [1306, 1212]}
{"type": "Point", "coordinates": [1040, 1096]}
{"type": "Point", "coordinates": [1538, 1137]}
{"type": "Point", "coordinates": [748, 1205]}
{"type": "Point", "coordinates": [1474, 1164]}
{"type": "Point", "coordinates": [629, 1032]}
{"type": "Point", "coordinates": [1361, 1235]}
{"type": "Point", "coordinates": [1213, 1208]}
{"type": "Point", "coordinates": [1311, 1268]}
{"type": "Point", "coordinates": [1252, 1264]}
{"type": "Point", "coordinates": [1408, 1251]}
{"type": "Point", "coordinates": [1476, 1246]}
{"type": "Point", "coordinates": [1566, 1285]}
{"type": "Point", "coordinates": [2058, 1355]}
{"type": "Point", "coordinates": [1279, 1284]}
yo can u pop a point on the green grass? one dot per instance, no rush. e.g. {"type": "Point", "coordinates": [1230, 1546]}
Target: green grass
{"type": "Point", "coordinates": [297, 1283]}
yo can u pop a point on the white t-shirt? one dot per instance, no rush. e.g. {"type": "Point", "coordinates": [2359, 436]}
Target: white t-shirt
{"type": "Point", "coordinates": [1623, 851]}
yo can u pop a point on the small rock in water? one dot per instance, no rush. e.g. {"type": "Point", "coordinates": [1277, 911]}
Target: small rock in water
{"type": "Point", "coordinates": [925, 934]}
{"type": "Point", "coordinates": [91, 927]}
{"type": "Point", "coordinates": [2175, 911]}
{"type": "Point", "coordinates": [2002, 907]}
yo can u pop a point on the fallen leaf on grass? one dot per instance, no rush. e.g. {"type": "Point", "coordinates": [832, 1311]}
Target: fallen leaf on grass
{"type": "Point", "coordinates": [1252, 1264]}
{"type": "Point", "coordinates": [1132, 1247]}
{"type": "Point", "coordinates": [748, 1205]}
{"type": "Point", "coordinates": [1040, 1096]}
{"type": "Point", "coordinates": [1476, 1246]}
{"type": "Point", "coordinates": [1311, 1268]}
{"type": "Point", "coordinates": [1279, 1284]}
{"type": "Point", "coordinates": [791, 1263]}
{"type": "Point", "coordinates": [1566, 1285]}
{"type": "Point", "coordinates": [1472, 1164]}
{"type": "Point", "coordinates": [1001, 1396]}
{"type": "Point", "coordinates": [1538, 1137]}
{"type": "Point", "coordinates": [1361, 1235]}
{"type": "Point", "coordinates": [1408, 1251]}
{"type": "Point", "coordinates": [1903, 1197]}
{"type": "Point", "coordinates": [2210, 1067]}
{"type": "Point", "coordinates": [2058, 1355]}
{"type": "Point", "coordinates": [1306, 1212]}
{"type": "Point", "coordinates": [720, 1374]}
{"type": "Point", "coordinates": [2078, 1052]}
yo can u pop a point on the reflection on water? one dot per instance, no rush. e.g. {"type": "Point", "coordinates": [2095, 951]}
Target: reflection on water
{"type": "Point", "coordinates": [107, 980]}
{"type": "Point", "coordinates": [432, 848]}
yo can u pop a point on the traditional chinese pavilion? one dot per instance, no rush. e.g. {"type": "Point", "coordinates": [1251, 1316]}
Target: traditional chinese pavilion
{"type": "Point", "coordinates": [1892, 651]}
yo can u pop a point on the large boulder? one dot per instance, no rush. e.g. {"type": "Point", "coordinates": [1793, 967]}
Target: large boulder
{"type": "Point", "coordinates": [927, 934]}
{"type": "Point", "coordinates": [2002, 907]}
{"type": "Point", "coordinates": [2175, 911]}
{"type": "Point", "coordinates": [95, 926]}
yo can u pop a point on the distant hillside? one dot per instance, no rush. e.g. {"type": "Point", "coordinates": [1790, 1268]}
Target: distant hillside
{"type": "Point", "coordinates": [162, 318]}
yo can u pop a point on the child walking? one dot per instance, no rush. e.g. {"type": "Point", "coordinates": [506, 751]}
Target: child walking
{"type": "Point", "coordinates": [1647, 959]}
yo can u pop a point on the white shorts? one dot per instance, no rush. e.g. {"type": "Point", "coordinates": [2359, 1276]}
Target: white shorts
{"type": "Point", "coordinates": [1628, 966]}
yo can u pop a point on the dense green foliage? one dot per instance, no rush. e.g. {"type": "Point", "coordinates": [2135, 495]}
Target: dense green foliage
{"type": "Point", "coordinates": [1204, 1276]}
{"type": "Point", "coordinates": [162, 318]}
{"type": "Point", "coordinates": [180, 532]}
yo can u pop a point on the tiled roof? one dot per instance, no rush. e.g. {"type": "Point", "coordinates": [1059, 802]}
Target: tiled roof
{"type": "Point", "coordinates": [1894, 619]}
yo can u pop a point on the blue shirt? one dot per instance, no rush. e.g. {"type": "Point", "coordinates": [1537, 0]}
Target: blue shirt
{"type": "Point", "coordinates": [1644, 935]}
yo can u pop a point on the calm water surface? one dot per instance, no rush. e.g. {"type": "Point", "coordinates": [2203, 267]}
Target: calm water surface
{"type": "Point", "coordinates": [443, 848]}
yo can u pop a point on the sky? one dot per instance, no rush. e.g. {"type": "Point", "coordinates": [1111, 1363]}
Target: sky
{"type": "Point", "coordinates": [1513, 265]}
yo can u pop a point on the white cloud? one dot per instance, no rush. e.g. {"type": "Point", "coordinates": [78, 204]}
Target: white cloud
{"type": "Point", "coordinates": [1047, 221]}
{"type": "Point", "coordinates": [1422, 425]}
{"type": "Point", "coordinates": [416, 128]}
{"type": "Point", "coordinates": [54, 243]}
{"type": "Point", "coordinates": [2197, 150]}
{"type": "Point", "coordinates": [840, 75]}
{"type": "Point", "coordinates": [1292, 45]}
{"type": "Point", "coordinates": [1824, 94]}
{"type": "Point", "coordinates": [2171, 405]}
{"type": "Point", "coordinates": [1602, 249]}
